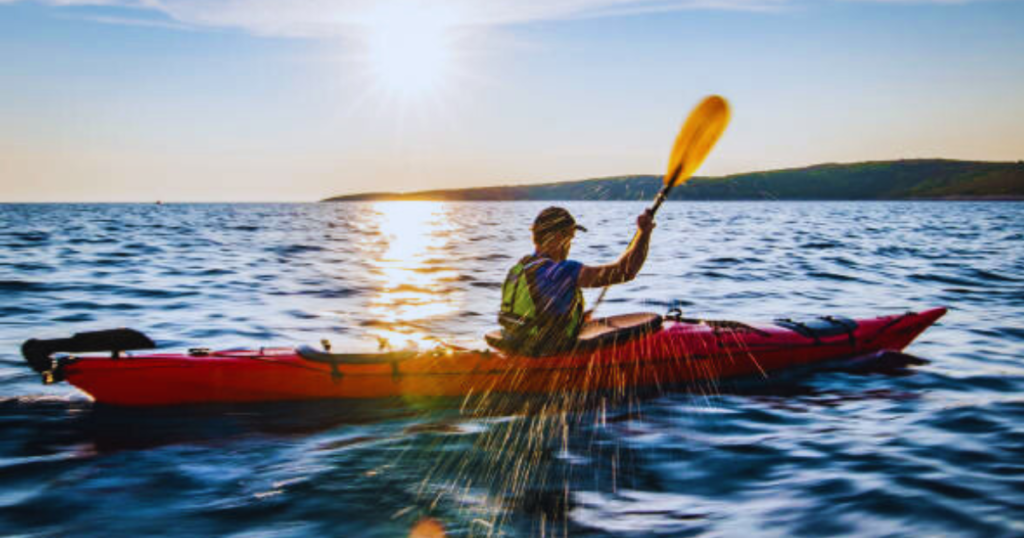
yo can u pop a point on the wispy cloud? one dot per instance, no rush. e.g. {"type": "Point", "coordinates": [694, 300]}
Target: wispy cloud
{"type": "Point", "coordinates": [321, 18]}
{"type": "Point", "coordinates": [317, 18]}
{"type": "Point", "coordinates": [135, 21]}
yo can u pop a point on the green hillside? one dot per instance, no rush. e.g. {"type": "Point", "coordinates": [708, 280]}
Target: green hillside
{"type": "Point", "coordinates": [883, 180]}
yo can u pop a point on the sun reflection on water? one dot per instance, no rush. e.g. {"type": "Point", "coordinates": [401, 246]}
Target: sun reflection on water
{"type": "Point", "coordinates": [414, 274]}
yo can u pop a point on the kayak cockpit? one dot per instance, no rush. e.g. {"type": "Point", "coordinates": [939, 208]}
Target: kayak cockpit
{"type": "Point", "coordinates": [598, 333]}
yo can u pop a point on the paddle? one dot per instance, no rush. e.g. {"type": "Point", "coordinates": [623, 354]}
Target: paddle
{"type": "Point", "coordinates": [702, 129]}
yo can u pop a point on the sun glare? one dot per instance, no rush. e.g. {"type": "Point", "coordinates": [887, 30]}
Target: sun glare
{"type": "Point", "coordinates": [413, 280]}
{"type": "Point", "coordinates": [409, 52]}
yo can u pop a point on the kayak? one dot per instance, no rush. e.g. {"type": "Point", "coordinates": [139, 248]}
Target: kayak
{"type": "Point", "coordinates": [618, 353]}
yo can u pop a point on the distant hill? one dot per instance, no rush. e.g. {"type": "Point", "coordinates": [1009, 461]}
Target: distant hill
{"type": "Point", "coordinates": [883, 180]}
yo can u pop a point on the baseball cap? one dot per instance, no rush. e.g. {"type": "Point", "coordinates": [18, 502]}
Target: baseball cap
{"type": "Point", "coordinates": [553, 219]}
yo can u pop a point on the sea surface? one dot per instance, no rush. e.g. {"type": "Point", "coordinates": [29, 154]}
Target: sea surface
{"type": "Point", "coordinates": [929, 449]}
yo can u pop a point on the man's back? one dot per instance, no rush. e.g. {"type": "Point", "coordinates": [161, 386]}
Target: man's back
{"type": "Point", "coordinates": [542, 307]}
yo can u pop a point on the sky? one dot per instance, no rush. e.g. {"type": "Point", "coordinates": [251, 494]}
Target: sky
{"type": "Point", "coordinates": [297, 100]}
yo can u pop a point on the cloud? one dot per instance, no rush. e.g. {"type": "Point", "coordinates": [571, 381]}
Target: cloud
{"type": "Point", "coordinates": [133, 21]}
{"type": "Point", "coordinates": [324, 18]}
{"type": "Point", "coordinates": [321, 18]}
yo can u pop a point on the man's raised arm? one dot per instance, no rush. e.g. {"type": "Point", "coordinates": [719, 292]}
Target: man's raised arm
{"type": "Point", "coordinates": [628, 265]}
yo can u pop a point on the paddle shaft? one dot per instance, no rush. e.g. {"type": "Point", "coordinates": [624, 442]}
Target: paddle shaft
{"type": "Point", "coordinates": [662, 196]}
{"type": "Point", "coordinates": [658, 200]}
{"type": "Point", "coordinates": [698, 135]}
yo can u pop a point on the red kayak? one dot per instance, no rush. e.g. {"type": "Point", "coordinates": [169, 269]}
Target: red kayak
{"type": "Point", "coordinates": [619, 353]}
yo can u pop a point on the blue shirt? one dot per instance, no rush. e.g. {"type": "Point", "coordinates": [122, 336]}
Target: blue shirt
{"type": "Point", "coordinates": [554, 284]}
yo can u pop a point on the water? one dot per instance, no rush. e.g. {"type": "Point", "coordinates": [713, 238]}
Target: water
{"type": "Point", "coordinates": [936, 449]}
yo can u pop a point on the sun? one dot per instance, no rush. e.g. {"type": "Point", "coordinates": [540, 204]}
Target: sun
{"type": "Point", "coordinates": [409, 53]}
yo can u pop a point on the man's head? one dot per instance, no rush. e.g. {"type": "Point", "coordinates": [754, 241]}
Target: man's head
{"type": "Point", "coordinates": [553, 230]}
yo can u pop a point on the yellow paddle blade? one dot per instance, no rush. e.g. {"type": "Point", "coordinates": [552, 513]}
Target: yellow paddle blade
{"type": "Point", "coordinates": [702, 129]}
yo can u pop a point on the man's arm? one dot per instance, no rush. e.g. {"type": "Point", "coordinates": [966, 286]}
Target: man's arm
{"type": "Point", "coordinates": [627, 266]}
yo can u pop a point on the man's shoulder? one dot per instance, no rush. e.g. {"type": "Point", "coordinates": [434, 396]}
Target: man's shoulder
{"type": "Point", "coordinates": [559, 269]}
{"type": "Point", "coordinates": [541, 264]}
{"type": "Point", "coordinates": [573, 264]}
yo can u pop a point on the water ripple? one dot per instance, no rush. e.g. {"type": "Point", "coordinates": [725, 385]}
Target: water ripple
{"type": "Point", "coordinates": [930, 445]}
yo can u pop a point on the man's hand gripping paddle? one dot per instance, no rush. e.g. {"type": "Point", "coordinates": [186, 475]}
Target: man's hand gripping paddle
{"type": "Point", "coordinates": [702, 129]}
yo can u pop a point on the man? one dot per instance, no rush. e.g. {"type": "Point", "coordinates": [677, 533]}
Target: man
{"type": "Point", "coordinates": [541, 303]}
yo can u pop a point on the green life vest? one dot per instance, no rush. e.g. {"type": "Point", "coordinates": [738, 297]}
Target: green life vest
{"type": "Point", "coordinates": [527, 325]}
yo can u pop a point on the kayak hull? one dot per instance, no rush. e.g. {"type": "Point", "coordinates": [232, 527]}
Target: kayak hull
{"type": "Point", "coordinates": [680, 353]}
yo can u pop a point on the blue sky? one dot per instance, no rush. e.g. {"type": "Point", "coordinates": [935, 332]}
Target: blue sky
{"type": "Point", "coordinates": [284, 100]}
